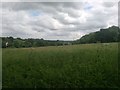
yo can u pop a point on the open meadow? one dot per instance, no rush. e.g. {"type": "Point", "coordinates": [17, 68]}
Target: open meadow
{"type": "Point", "coordinates": [71, 66]}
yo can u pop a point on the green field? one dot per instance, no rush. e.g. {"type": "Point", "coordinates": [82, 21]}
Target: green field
{"type": "Point", "coordinates": [73, 66]}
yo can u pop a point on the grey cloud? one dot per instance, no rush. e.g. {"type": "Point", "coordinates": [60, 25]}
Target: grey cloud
{"type": "Point", "coordinates": [108, 4]}
{"type": "Point", "coordinates": [58, 20]}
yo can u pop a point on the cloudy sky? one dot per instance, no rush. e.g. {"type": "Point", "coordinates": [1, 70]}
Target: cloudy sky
{"type": "Point", "coordinates": [56, 20]}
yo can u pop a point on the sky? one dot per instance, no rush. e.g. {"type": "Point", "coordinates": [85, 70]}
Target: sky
{"type": "Point", "coordinates": [56, 20]}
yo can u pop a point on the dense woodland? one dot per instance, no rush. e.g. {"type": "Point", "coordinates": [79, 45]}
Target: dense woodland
{"type": "Point", "coordinates": [18, 42]}
{"type": "Point", "coordinates": [107, 35]}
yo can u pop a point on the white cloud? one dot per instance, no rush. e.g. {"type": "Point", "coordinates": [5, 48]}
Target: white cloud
{"type": "Point", "coordinates": [56, 20]}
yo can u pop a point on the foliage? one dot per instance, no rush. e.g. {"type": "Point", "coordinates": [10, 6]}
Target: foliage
{"type": "Point", "coordinates": [18, 42]}
{"type": "Point", "coordinates": [104, 36]}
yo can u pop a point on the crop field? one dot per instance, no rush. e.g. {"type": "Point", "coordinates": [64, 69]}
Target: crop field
{"type": "Point", "coordinates": [72, 66]}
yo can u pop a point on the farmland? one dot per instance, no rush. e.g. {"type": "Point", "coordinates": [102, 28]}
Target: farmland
{"type": "Point", "coordinates": [71, 66]}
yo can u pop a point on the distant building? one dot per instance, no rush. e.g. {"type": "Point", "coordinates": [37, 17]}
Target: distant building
{"type": "Point", "coordinates": [6, 44]}
{"type": "Point", "coordinates": [66, 43]}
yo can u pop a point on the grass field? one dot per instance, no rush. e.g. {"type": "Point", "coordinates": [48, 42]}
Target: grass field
{"type": "Point", "coordinates": [74, 66]}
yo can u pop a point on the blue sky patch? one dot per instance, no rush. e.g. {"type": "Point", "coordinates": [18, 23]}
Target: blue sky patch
{"type": "Point", "coordinates": [88, 7]}
{"type": "Point", "coordinates": [35, 13]}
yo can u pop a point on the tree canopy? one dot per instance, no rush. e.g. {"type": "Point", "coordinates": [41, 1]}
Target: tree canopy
{"type": "Point", "coordinates": [110, 34]}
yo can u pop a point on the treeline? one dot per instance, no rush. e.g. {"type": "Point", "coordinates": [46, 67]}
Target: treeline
{"type": "Point", "coordinates": [110, 34]}
{"type": "Point", "coordinates": [18, 42]}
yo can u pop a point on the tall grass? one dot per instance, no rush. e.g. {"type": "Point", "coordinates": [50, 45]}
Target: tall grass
{"type": "Point", "coordinates": [74, 66]}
